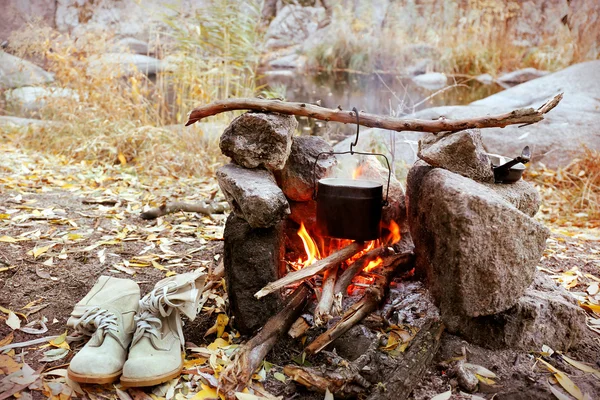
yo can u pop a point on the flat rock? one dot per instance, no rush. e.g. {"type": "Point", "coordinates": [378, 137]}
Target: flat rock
{"type": "Point", "coordinates": [252, 258]}
{"type": "Point", "coordinates": [16, 72]}
{"type": "Point", "coordinates": [431, 81]}
{"type": "Point", "coordinates": [126, 64]}
{"type": "Point", "coordinates": [562, 134]}
{"type": "Point", "coordinates": [297, 178]}
{"type": "Point", "coordinates": [546, 314]}
{"type": "Point", "coordinates": [479, 252]}
{"type": "Point", "coordinates": [30, 99]}
{"type": "Point", "coordinates": [257, 139]}
{"type": "Point", "coordinates": [460, 152]}
{"type": "Point", "coordinates": [253, 195]}
{"type": "Point", "coordinates": [521, 76]}
{"type": "Point", "coordinates": [133, 45]}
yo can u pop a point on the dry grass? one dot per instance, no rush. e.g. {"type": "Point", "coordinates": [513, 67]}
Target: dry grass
{"type": "Point", "coordinates": [571, 195]}
{"type": "Point", "coordinates": [118, 116]}
{"type": "Point", "coordinates": [466, 37]}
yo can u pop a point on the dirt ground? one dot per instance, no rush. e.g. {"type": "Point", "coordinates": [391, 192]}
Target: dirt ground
{"type": "Point", "coordinates": [64, 225]}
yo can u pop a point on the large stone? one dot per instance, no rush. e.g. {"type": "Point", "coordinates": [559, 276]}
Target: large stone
{"type": "Point", "coordinates": [125, 64]}
{"type": "Point", "coordinates": [16, 72]}
{"type": "Point", "coordinates": [255, 139]}
{"type": "Point", "coordinates": [478, 251]}
{"type": "Point", "coordinates": [521, 194]}
{"type": "Point", "coordinates": [132, 45]}
{"type": "Point", "coordinates": [431, 81]}
{"type": "Point", "coordinates": [304, 212]}
{"type": "Point", "coordinates": [253, 195]}
{"type": "Point", "coordinates": [460, 152]}
{"type": "Point", "coordinates": [17, 13]}
{"type": "Point", "coordinates": [546, 314]}
{"type": "Point", "coordinates": [522, 76]}
{"type": "Point", "coordinates": [292, 26]}
{"type": "Point", "coordinates": [564, 132]}
{"type": "Point", "coordinates": [30, 99]}
{"type": "Point", "coordinates": [252, 258]}
{"type": "Point", "coordinates": [297, 178]}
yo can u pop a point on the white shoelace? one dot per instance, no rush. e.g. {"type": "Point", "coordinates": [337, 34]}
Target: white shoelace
{"type": "Point", "coordinates": [94, 319]}
{"type": "Point", "coordinates": [153, 306]}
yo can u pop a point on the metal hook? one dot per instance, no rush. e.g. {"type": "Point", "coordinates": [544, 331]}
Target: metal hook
{"type": "Point", "coordinates": [357, 131]}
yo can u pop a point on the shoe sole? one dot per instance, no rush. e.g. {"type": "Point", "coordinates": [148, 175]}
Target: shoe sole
{"type": "Point", "coordinates": [93, 379]}
{"type": "Point", "coordinates": [151, 381]}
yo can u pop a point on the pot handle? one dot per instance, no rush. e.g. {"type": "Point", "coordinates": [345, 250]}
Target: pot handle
{"type": "Point", "coordinates": [352, 152]}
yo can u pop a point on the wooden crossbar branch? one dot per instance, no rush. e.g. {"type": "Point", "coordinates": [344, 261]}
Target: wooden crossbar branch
{"type": "Point", "coordinates": [524, 116]}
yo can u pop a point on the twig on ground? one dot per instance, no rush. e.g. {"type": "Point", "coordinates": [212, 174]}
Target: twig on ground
{"type": "Point", "coordinates": [168, 208]}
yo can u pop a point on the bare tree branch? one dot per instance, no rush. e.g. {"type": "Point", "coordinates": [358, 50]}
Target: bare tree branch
{"type": "Point", "coordinates": [521, 116]}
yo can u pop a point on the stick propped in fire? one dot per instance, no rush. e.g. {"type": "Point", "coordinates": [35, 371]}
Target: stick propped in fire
{"type": "Point", "coordinates": [522, 116]}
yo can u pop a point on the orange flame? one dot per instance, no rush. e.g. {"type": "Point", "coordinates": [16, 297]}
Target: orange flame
{"type": "Point", "coordinates": [357, 172]}
{"type": "Point", "coordinates": [373, 264]}
{"type": "Point", "coordinates": [394, 236]}
{"type": "Point", "coordinates": [310, 247]}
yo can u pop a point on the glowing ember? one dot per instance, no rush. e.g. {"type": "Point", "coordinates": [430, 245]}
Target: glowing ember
{"type": "Point", "coordinates": [373, 264]}
{"type": "Point", "coordinates": [310, 247]}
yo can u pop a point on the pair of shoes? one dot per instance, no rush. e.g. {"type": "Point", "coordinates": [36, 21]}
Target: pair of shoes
{"type": "Point", "coordinates": [140, 341]}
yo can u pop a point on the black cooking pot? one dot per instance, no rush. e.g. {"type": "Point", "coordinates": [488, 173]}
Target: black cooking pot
{"type": "Point", "coordinates": [350, 208]}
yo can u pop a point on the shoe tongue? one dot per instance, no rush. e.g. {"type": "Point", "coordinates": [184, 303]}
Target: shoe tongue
{"type": "Point", "coordinates": [183, 291]}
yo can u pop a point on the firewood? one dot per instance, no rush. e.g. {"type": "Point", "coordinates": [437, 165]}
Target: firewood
{"type": "Point", "coordinates": [313, 269]}
{"type": "Point", "coordinates": [523, 116]}
{"type": "Point", "coordinates": [342, 383]}
{"type": "Point", "coordinates": [237, 374]}
{"type": "Point", "coordinates": [341, 285]}
{"type": "Point", "coordinates": [413, 363]}
{"type": "Point", "coordinates": [298, 328]}
{"type": "Point", "coordinates": [169, 208]}
{"type": "Point", "coordinates": [323, 309]}
{"type": "Point", "coordinates": [373, 296]}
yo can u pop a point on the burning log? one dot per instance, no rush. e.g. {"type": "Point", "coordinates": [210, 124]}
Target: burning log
{"type": "Point", "coordinates": [237, 374]}
{"type": "Point", "coordinates": [169, 208]}
{"type": "Point", "coordinates": [524, 116]}
{"type": "Point", "coordinates": [345, 279]}
{"type": "Point", "coordinates": [341, 286]}
{"type": "Point", "coordinates": [323, 309]}
{"type": "Point", "coordinates": [313, 269]}
{"type": "Point", "coordinates": [374, 295]}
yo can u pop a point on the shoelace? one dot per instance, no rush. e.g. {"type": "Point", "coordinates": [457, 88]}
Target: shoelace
{"type": "Point", "coordinates": [153, 306]}
{"type": "Point", "coordinates": [94, 319]}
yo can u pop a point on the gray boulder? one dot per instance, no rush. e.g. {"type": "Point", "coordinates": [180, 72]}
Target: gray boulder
{"type": "Point", "coordinates": [133, 45]}
{"type": "Point", "coordinates": [253, 195]}
{"type": "Point", "coordinates": [252, 258]}
{"type": "Point", "coordinates": [297, 178]}
{"type": "Point", "coordinates": [478, 251]}
{"type": "Point", "coordinates": [521, 194]}
{"type": "Point", "coordinates": [546, 314]}
{"type": "Point", "coordinates": [30, 99]}
{"type": "Point", "coordinates": [16, 72]}
{"type": "Point", "coordinates": [292, 26]}
{"type": "Point", "coordinates": [431, 81]}
{"type": "Point", "coordinates": [460, 152]}
{"type": "Point", "coordinates": [563, 133]}
{"type": "Point", "coordinates": [257, 139]}
{"type": "Point", "coordinates": [521, 76]}
{"type": "Point", "coordinates": [125, 64]}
